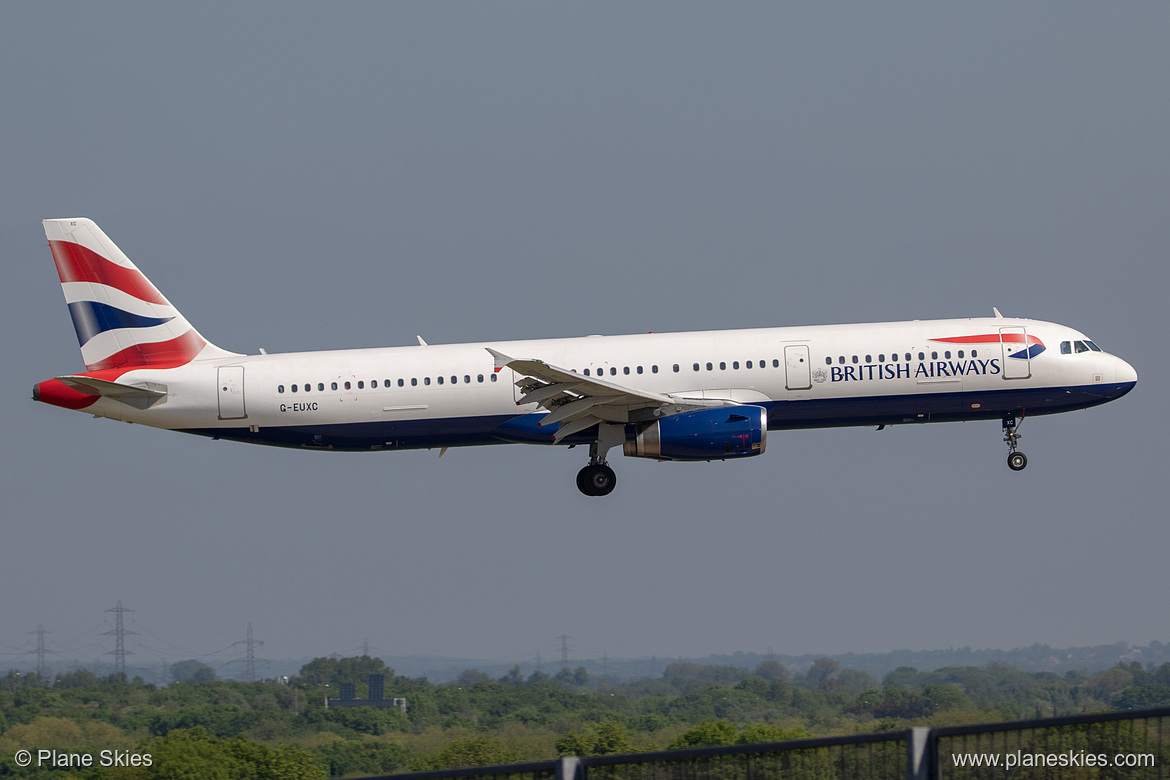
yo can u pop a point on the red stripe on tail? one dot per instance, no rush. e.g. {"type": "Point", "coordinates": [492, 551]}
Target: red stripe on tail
{"type": "Point", "coordinates": [75, 263]}
{"type": "Point", "coordinates": [158, 354]}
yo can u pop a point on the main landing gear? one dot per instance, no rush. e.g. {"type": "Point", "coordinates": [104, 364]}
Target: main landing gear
{"type": "Point", "coordinates": [1016, 460]}
{"type": "Point", "coordinates": [598, 479]}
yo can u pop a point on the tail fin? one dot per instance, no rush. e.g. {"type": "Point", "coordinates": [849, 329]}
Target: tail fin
{"type": "Point", "coordinates": [121, 319]}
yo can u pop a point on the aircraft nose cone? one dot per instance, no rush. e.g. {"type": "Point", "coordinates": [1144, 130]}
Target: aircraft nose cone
{"type": "Point", "coordinates": [1124, 372]}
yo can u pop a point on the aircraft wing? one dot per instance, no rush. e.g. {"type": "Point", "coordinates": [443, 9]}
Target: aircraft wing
{"type": "Point", "coordinates": [577, 402]}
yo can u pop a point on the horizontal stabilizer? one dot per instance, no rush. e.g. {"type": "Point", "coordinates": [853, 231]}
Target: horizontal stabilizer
{"type": "Point", "coordinates": [142, 395]}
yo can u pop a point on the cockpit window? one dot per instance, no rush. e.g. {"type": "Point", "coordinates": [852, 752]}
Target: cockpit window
{"type": "Point", "coordinates": [1068, 347]}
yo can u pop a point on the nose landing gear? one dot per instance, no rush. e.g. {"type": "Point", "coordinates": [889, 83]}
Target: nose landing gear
{"type": "Point", "coordinates": [1016, 460]}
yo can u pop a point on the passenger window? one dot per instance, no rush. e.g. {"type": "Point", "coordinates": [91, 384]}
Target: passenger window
{"type": "Point", "coordinates": [613, 371]}
{"type": "Point", "coordinates": [881, 358]}
{"type": "Point", "coordinates": [414, 381]}
{"type": "Point", "coordinates": [934, 356]}
{"type": "Point", "coordinates": [493, 376]}
{"type": "Point", "coordinates": [710, 367]}
{"type": "Point", "coordinates": [626, 370]}
{"type": "Point", "coordinates": [922, 356]}
{"type": "Point", "coordinates": [586, 372]}
{"type": "Point", "coordinates": [907, 357]}
{"type": "Point", "coordinates": [722, 366]}
{"type": "Point", "coordinates": [676, 368]}
{"type": "Point", "coordinates": [855, 361]}
{"type": "Point", "coordinates": [401, 383]}
{"type": "Point", "coordinates": [696, 366]}
{"type": "Point", "coordinates": [361, 385]}
{"type": "Point", "coordinates": [333, 386]}
{"type": "Point", "coordinates": [974, 353]}
{"type": "Point", "coordinates": [440, 379]}
{"type": "Point", "coordinates": [947, 354]}
{"type": "Point", "coordinates": [654, 369]}
{"type": "Point", "coordinates": [280, 388]}
{"type": "Point", "coordinates": [639, 369]}
{"type": "Point", "coordinates": [735, 364]}
{"type": "Point", "coordinates": [466, 379]}
{"type": "Point", "coordinates": [479, 378]}
{"type": "Point", "coordinates": [841, 359]}
{"type": "Point", "coordinates": [426, 380]}
{"type": "Point", "coordinates": [869, 358]}
{"type": "Point", "coordinates": [347, 386]}
{"type": "Point", "coordinates": [775, 363]}
{"type": "Point", "coordinates": [294, 388]}
{"type": "Point", "coordinates": [960, 354]}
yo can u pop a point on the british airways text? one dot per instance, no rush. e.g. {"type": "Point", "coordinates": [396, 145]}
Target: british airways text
{"type": "Point", "coordinates": [924, 370]}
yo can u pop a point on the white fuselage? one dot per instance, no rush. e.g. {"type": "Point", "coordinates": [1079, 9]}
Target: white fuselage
{"type": "Point", "coordinates": [452, 395]}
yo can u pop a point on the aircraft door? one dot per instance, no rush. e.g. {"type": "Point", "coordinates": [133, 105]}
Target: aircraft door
{"type": "Point", "coordinates": [1016, 361]}
{"type": "Point", "coordinates": [231, 393]}
{"type": "Point", "coordinates": [797, 371]}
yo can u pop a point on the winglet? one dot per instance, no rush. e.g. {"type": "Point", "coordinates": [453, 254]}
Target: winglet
{"type": "Point", "coordinates": [501, 359]}
{"type": "Point", "coordinates": [998, 316]}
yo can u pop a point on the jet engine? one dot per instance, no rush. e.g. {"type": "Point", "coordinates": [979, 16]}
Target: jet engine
{"type": "Point", "coordinates": [706, 434]}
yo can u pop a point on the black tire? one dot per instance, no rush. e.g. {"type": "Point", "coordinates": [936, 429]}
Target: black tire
{"type": "Point", "coordinates": [596, 480]}
{"type": "Point", "coordinates": [583, 480]}
{"type": "Point", "coordinates": [1017, 461]}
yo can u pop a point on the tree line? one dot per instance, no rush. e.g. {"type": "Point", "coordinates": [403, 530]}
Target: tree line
{"type": "Point", "coordinates": [262, 730]}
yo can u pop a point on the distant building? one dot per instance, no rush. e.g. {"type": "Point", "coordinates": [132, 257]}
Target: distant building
{"type": "Point", "coordinates": [377, 692]}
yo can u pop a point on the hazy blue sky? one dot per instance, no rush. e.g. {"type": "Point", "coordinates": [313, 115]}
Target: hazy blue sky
{"type": "Point", "coordinates": [310, 176]}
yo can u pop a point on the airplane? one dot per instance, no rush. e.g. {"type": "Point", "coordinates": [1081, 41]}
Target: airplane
{"type": "Point", "coordinates": [698, 396]}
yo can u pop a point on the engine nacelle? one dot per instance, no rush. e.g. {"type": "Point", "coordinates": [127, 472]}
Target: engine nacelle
{"type": "Point", "coordinates": [708, 434]}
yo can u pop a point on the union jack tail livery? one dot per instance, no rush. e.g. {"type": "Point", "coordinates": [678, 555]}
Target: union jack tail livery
{"type": "Point", "coordinates": [122, 320]}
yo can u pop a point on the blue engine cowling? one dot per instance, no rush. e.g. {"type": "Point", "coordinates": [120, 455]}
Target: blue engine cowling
{"type": "Point", "coordinates": [708, 434]}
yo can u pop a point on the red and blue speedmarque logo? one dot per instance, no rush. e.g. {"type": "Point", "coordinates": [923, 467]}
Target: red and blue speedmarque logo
{"type": "Point", "coordinates": [1034, 346]}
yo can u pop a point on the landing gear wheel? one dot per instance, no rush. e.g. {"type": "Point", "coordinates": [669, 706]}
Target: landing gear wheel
{"type": "Point", "coordinates": [596, 480]}
{"type": "Point", "coordinates": [1017, 461]}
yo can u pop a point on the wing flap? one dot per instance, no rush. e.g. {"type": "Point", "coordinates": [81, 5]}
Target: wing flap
{"type": "Point", "coordinates": [575, 426]}
{"type": "Point", "coordinates": [575, 408]}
